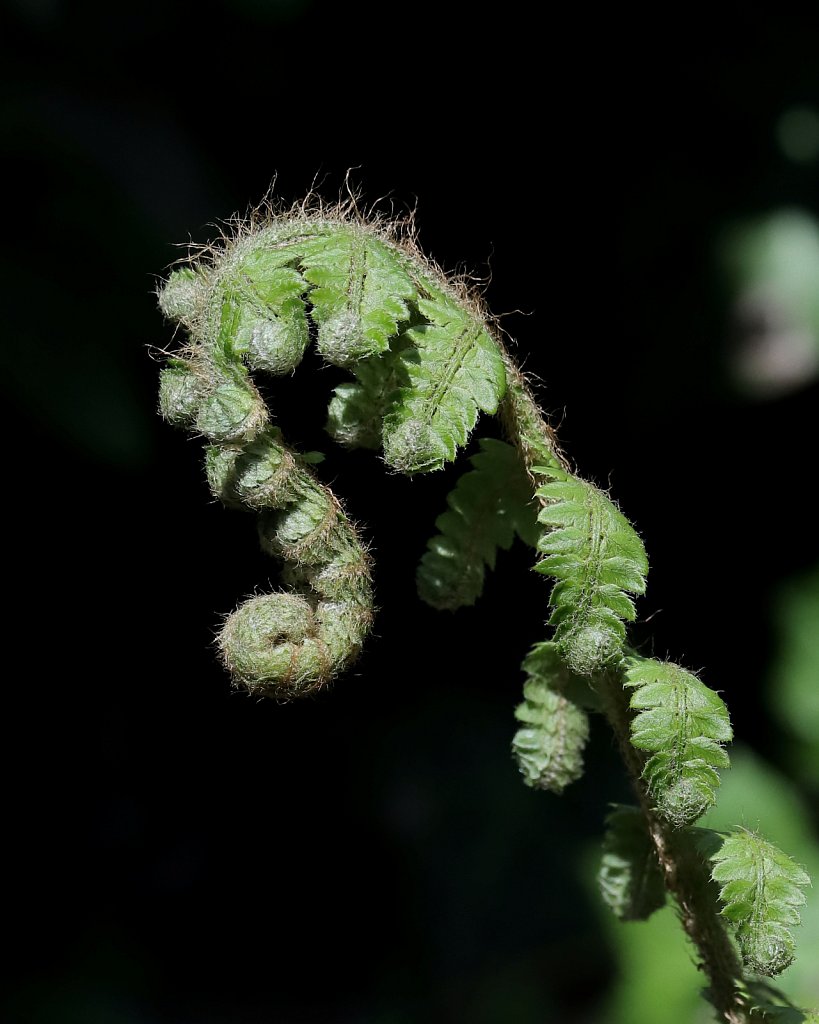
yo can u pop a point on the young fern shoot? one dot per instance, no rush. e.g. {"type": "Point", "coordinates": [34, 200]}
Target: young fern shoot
{"type": "Point", "coordinates": [425, 360]}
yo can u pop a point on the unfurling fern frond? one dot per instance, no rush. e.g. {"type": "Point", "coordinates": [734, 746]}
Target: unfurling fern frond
{"type": "Point", "coordinates": [761, 892]}
{"type": "Point", "coordinates": [593, 552]}
{"type": "Point", "coordinates": [489, 506]}
{"type": "Point", "coordinates": [454, 368]}
{"type": "Point", "coordinates": [682, 724]}
{"type": "Point", "coordinates": [425, 360]}
{"type": "Point", "coordinates": [549, 745]}
{"type": "Point", "coordinates": [630, 877]}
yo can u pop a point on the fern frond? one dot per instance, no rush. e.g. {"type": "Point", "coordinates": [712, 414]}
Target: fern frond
{"type": "Point", "coordinates": [489, 506]}
{"type": "Point", "coordinates": [682, 724]}
{"type": "Point", "coordinates": [630, 877]}
{"type": "Point", "coordinates": [593, 552]}
{"type": "Point", "coordinates": [761, 889]}
{"type": "Point", "coordinates": [454, 369]}
{"type": "Point", "coordinates": [360, 295]}
{"type": "Point", "coordinates": [425, 362]}
{"type": "Point", "coordinates": [549, 746]}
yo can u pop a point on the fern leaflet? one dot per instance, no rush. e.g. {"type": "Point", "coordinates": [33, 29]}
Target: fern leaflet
{"type": "Point", "coordinates": [555, 728]}
{"type": "Point", "coordinates": [761, 889]}
{"type": "Point", "coordinates": [454, 368]}
{"type": "Point", "coordinates": [682, 724]}
{"type": "Point", "coordinates": [630, 878]}
{"type": "Point", "coordinates": [262, 315]}
{"type": "Point", "coordinates": [593, 552]}
{"type": "Point", "coordinates": [489, 506]}
{"type": "Point", "coordinates": [360, 295]}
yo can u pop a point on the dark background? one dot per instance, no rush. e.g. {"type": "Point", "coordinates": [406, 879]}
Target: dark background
{"type": "Point", "coordinates": [181, 854]}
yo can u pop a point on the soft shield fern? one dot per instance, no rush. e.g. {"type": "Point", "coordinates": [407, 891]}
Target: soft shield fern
{"type": "Point", "coordinates": [424, 361]}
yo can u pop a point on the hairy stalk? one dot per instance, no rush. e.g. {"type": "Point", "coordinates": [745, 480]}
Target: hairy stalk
{"type": "Point", "coordinates": [687, 875]}
{"type": "Point", "coordinates": [524, 424]}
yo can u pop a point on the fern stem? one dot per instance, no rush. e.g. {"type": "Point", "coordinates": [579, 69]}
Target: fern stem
{"type": "Point", "coordinates": [524, 423]}
{"type": "Point", "coordinates": [687, 876]}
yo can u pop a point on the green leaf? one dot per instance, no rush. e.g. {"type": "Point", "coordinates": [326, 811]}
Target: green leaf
{"type": "Point", "coordinates": [549, 746]}
{"type": "Point", "coordinates": [593, 552]}
{"type": "Point", "coordinates": [630, 877]}
{"type": "Point", "coordinates": [761, 893]}
{"type": "Point", "coordinates": [233, 411]}
{"type": "Point", "coordinates": [262, 317]}
{"type": "Point", "coordinates": [489, 506]}
{"type": "Point", "coordinates": [453, 370]}
{"type": "Point", "coordinates": [360, 294]}
{"type": "Point", "coordinates": [682, 724]}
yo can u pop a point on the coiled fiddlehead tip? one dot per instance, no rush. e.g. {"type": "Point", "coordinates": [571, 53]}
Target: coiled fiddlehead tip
{"type": "Point", "coordinates": [769, 949]}
{"type": "Point", "coordinates": [180, 393]}
{"type": "Point", "coordinates": [270, 646]}
{"type": "Point", "coordinates": [182, 296]}
{"type": "Point", "coordinates": [413, 447]}
{"type": "Point", "coordinates": [231, 413]}
{"type": "Point", "coordinates": [684, 801]}
{"type": "Point", "coordinates": [589, 647]}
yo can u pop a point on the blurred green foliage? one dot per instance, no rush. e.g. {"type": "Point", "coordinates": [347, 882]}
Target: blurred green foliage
{"type": "Point", "coordinates": [793, 694]}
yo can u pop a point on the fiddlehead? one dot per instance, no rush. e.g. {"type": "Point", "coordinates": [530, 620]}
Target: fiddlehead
{"type": "Point", "coordinates": [425, 360]}
{"type": "Point", "coordinates": [245, 310]}
{"type": "Point", "coordinates": [293, 641]}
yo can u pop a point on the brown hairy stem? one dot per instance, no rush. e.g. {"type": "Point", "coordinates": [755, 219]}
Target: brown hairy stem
{"type": "Point", "coordinates": [687, 876]}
